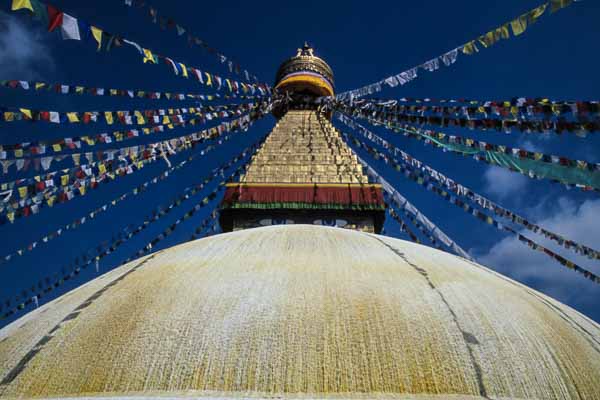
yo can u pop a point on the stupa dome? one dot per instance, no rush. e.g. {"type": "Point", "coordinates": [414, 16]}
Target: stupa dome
{"type": "Point", "coordinates": [302, 311]}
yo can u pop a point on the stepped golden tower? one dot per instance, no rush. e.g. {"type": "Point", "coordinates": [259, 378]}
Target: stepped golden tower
{"type": "Point", "coordinates": [304, 173]}
{"type": "Point", "coordinates": [316, 307]}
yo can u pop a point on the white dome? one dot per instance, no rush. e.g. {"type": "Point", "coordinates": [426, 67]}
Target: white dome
{"type": "Point", "coordinates": [302, 311]}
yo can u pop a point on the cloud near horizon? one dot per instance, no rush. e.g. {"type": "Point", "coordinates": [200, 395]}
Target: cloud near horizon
{"type": "Point", "coordinates": [24, 55]}
{"type": "Point", "coordinates": [502, 183]}
{"type": "Point", "coordinates": [516, 260]}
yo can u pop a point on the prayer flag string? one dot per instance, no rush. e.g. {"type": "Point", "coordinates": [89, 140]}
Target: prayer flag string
{"type": "Point", "coordinates": [181, 32]}
{"type": "Point", "coordinates": [403, 204]}
{"type": "Point", "coordinates": [169, 122]}
{"type": "Point", "coordinates": [125, 117]}
{"type": "Point", "coordinates": [62, 88]}
{"type": "Point", "coordinates": [465, 192]}
{"type": "Point", "coordinates": [526, 119]}
{"type": "Point", "coordinates": [406, 170]}
{"type": "Point", "coordinates": [51, 282]}
{"type": "Point", "coordinates": [572, 173]}
{"type": "Point", "coordinates": [403, 226]}
{"type": "Point", "coordinates": [73, 29]}
{"type": "Point", "coordinates": [74, 182]}
{"type": "Point", "coordinates": [108, 205]}
{"type": "Point", "coordinates": [394, 214]}
{"type": "Point", "coordinates": [518, 26]}
{"type": "Point", "coordinates": [517, 108]}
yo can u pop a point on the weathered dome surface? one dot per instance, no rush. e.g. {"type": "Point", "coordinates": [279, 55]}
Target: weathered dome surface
{"type": "Point", "coordinates": [302, 311]}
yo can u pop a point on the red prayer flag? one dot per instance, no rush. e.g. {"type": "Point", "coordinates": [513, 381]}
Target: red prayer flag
{"type": "Point", "coordinates": [55, 18]}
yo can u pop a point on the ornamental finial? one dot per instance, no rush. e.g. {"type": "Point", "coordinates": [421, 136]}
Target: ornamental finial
{"type": "Point", "coordinates": [306, 50]}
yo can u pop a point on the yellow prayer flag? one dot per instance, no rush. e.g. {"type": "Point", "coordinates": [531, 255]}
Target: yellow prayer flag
{"type": "Point", "coordinates": [519, 25]}
{"type": "Point", "coordinates": [148, 56]}
{"type": "Point", "coordinates": [19, 4]}
{"type": "Point", "coordinates": [72, 117]}
{"type": "Point", "coordinates": [470, 48]}
{"type": "Point", "coordinates": [23, 191]}
{"type": "Point", "coordinates": [109, 117]}
{"type": "Point", "coordinates": [97, 33]}
{"type": "Point", "coordinates": [229, 84]}
{"type": "Point", "coordinates": [79, 89]}
{"type": "Point", "coordinates": [488, 39]}
{"type": "Point", "coordinates": [536, 13]}
{"type": "Point", "coordinates": [146, 131]}
{"type": "Point", "coordinates": [56, 147]}
{"type": "Point", "coordinates": [11, 217]}
{"type": "Point", "coordinates": [166, 119]}
{"type": "Point", "coordinates": [102, 168]}
{"type": "Point", "coordinates": [502, 32]}
{"type": "Point", "coordinates": [64, 180]}
{"type": "Point", "coordinates": [140, 117]}
{"type": "Point", "coordinates": [40, 85]}
{"type": "Point", "coordinates": [50, 200]}
{"type": "Point", "coordinates": [558, 4]}
{"type": "Point", "coordinates": [82, 190]}
{"type": "Point", "coordinates": [556, 109]}
{"type": "Point", "coordinates": [184, 70]}
{"type": "Point", "coordinates": [26, 112]}
{"type": "Point", "coordinates": [113, 92]}
{"type": "Point", "coordinates": [170, 126]}
{"type": "Point", "coordinates": [208, 79]}
{"type": "Point", "coordinates": [9, 116]}
{"type": "Point", "coordinates": [18, 152]}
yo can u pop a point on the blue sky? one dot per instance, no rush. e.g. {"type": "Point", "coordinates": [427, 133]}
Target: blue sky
{"type": "Point", "coordinates": [555, 58]}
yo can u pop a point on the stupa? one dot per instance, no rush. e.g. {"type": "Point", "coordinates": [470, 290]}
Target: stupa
{"type": "Point", "coordinates": [302, 300]}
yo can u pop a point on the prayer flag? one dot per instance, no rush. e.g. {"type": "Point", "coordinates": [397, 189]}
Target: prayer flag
{"type": "Point", "coordinates": [97, 34]}
{"type": "Point", "coordinates": [70, 28]}
{"type": "Point", "coordinates": [19, 4]}
{"type": "Point", "coordinates": [183, 70]}
{"type": "Point", "coordinates": [54, 117]}
{"type": "Point", "coordinates": [172, 64]}
{"type": "Point", "coordinates": [558, 4]}
{"type": "Point", "coordinates": [134, 44]}
{"type": "Point", "coordinates": [148, 56]}
{"type": "Point", "coordinates": [26, 113]}
{"type": "Point", "coordinates": [109, 117]}
{"type": "Point", "coordinates": [72, 117]}
{"type": "Point", "coordinates": [536, 13]}
{"type": "Point", "coordinates": [470, 48]}
{"type": "Point", "coordinates": [55, 18]}
{"type": "Point", "coordinates": [40, 11]}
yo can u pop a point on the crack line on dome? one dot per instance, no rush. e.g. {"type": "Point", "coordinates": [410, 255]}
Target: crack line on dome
{"type": "Point", "coordinates": [39, 346]}
{"type": "Point", "coordinates": [468, 337]}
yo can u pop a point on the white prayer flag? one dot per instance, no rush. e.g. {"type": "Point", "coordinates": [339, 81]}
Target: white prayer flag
{"type": "Point", "coordinates": [70, 28]}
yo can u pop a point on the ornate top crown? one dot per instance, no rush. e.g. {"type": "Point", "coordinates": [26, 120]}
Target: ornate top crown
{"type": "Point", "coordinates": [305, 72]}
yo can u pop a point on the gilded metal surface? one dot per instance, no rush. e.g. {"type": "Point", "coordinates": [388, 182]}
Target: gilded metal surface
{"type": "Point", "coordinates": [303, 312]}
{"type": "Point", "coordinates": [304, 148]}
{"type": "Point", "coordinates": [305, 60]}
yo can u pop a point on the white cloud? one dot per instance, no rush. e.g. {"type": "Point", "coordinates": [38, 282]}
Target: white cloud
{"type": "Point", "coordinates": [502, 182]}
{"type": "Point", "coordinates": [514, 259]}
{"type": "Point", "coordinates": [23, 53]}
